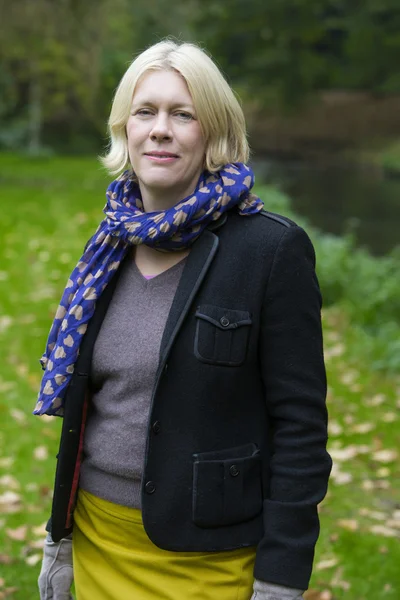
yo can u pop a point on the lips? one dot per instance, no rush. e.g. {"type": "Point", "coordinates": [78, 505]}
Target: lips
{"type": "Point", "coordinates": [157, 154]}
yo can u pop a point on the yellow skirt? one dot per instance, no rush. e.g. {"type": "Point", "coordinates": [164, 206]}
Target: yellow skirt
{"type": "Point", "coordinates": [114, 559]}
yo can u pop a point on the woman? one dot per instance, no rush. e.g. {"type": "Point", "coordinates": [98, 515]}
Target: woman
{"type": "Point", "coordinates": [186, 359]}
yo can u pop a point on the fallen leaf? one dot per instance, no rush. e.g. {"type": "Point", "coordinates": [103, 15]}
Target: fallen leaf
{"type": "Point", "coordinates": [363, 449]}
{"type": "Point", "coordinates": [334, 351]}
{"type": "Point", "coordinates": [373, 514]}
{"type": "Point", "coordinates": [389, 417]}
{"type": "Point", "coordinates": [363, 428]}
{"type": "Point", "coordinates": [31, 487]}
{"type": "Point", "coordinates": [40, 530]}
{"type": "Point", "coordinates": [383, 472]}
{"type": "Point", "coordinates": [45, 491]}
{"type": "Point", "coordinates": [18, 415]}
{"type": "Point", "coordinates": [339, 477]}
{"type": "Point", "coordinates": [326, 595]}
{"type": "Point", "coordinates": [337, 580]}
{"type": "Point", "coordinates": [33, 559]}
{"type": "Point", "coordinates": [41, 453]}
{"type": "Point", "coordinates": [47, 418]}
{"type": "Point", "coordinates": [18, 534]}
{"type": "Point", "coordinates": [9, 502]}
{"type": "Point", "coordinates": [8, 481]}
{"type": "Point", "coordinates": [383, 530]}
{"type": "Point", "coordinates": [8, 592]}
{"type": "Point", "coordinates": [367, 485]}
{"type": "Point", "coordinates": [334, 428]}
{"type": "Point", "coordinates": [385, 456]}
{"type": "Point", "coordinates": [349, 377]}
{"type": "Point", "coordinates": [355, 387]}
{"type": "Point", "coordinates": [6, 386]}
{"type": "Point", "coordinates": [349, 524]}
{"type": "Point", "coordinates": [382, 484]}
{"type": "Point", "coordinates": [327, 563]}
{"type": "Point", "coordinates": [343, 454]}
{"type": "Point", "coordinates": [376, 400]}
{"type": "Point", "coordinates": [317, 595]}
{"type": "Point", "coordinates": [36, 545]}
{"type": "Point", "coordinates": [5, 322]}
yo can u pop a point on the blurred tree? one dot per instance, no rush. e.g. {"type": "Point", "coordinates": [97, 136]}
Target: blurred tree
{"type": "Point", "coordinates": [62, 59]}
{"type": "Point", "coordinates": [154, 20]}
{"type": "Point", "coordinates": [283, 50]}
{"type": "Point", "coordinates": [52, 60]}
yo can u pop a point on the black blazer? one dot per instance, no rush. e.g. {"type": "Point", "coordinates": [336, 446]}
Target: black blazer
{"type": "Point", "coordinates": [236, 444]}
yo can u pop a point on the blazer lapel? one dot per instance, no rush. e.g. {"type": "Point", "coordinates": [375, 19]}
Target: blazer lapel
{"type": "Point", "coordinates": [197, 264]}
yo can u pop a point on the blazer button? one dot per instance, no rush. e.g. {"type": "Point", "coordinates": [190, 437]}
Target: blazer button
{"type": "Point", "coordinates": [224, 321]}
{"type": "Point", "coordinates": [234, 471]}
{"type": "Point", "coordinates": [156, 427]}
{"type": "Point", "coordinates": [150, 487]}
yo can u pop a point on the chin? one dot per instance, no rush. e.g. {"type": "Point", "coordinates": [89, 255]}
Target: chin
{"type": "Point", "coordinates": [161, 181]}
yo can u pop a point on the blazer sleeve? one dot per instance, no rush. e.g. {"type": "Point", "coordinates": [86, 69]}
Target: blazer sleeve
{"type": "Point", "coordinates": [294, 379]}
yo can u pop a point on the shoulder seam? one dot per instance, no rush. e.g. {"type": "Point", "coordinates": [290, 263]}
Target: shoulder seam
{"type": "Point", "coordinates": [277, 218]}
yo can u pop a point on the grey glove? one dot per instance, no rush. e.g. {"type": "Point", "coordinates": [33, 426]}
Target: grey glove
{"type": "Point", "coordinates": [56, 575]}
{"type": "Point", "coordinates": [272, 591]}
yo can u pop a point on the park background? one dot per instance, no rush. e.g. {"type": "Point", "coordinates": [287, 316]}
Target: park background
{"type": "Point", "coordinates": [320, 85]}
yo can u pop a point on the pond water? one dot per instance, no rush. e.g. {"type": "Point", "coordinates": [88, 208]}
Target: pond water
{"type": "Point", "coordinates": [339, 197]}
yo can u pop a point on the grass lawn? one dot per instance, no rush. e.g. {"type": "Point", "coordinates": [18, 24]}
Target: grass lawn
{"type": "Point", "coordinates": [50, 207]}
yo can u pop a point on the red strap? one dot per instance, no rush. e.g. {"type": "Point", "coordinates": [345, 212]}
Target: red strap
{"type": "Point", "coordinates": [75, 481]}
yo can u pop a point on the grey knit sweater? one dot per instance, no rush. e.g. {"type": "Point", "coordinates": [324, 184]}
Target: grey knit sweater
{"type": "Point", "coordinates": [124, 364]}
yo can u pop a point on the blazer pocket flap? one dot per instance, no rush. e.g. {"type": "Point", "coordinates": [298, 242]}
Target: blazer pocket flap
{"type": "Point", "coordinates": [245, 451]}
{"type": "Point", "coordinates": [227, 486]}
{"type": "Point", "coordinates": [223, 318]}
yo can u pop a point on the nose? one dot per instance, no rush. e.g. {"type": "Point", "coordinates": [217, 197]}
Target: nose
{"type": "Point", "coordinates": [161, 128]}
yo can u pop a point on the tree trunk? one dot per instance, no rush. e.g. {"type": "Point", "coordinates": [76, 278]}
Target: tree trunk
{"type": "Point", "coordinates": [35, 114]}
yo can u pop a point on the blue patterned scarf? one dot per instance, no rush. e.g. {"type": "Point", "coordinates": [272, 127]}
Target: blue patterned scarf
{"type": "Point", "coordinates": [127, 224]}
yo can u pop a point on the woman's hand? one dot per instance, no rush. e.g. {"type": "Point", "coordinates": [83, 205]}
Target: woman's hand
{"type": "Point", "coordinates": [56, 575]}
{"type": "Point", "coordinates": [271, 591]}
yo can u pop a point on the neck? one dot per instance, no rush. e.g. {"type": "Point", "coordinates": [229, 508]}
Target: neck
{"type": "Point", "coordinates": [155, 200]}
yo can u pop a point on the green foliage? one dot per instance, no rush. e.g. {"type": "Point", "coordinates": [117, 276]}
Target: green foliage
{"type": "Point", "coordinates": [61, 61]}
{"type": "Point", "coordinates": [367, 287]}
{"type": "Point", "coordinates": [53, 66]}
{"type": "Point", "coordinates": [387, 158]}
{"type": "Point", "coordinates": [286, 50]}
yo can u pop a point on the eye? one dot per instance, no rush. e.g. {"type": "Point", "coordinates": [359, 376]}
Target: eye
{"type": "Point", "coordinates": [143, 112]}
{"type": "Point", "coordinates": [185, 116]}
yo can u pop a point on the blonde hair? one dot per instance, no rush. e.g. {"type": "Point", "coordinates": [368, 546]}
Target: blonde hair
{"type": "Point", "coordinates": [218, 111]}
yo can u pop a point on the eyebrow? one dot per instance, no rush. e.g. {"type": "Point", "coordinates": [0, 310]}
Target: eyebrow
{"type": "Point", "coordinates": [153, 105]}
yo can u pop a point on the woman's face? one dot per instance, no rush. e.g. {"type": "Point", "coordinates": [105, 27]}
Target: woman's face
{"type": "Point", "coordinates": [165, 142]}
